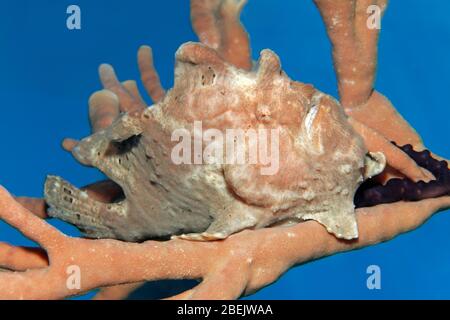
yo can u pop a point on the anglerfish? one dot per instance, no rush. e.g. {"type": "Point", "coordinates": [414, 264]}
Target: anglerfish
{"type": "Point", "coordinates": [295, 157]}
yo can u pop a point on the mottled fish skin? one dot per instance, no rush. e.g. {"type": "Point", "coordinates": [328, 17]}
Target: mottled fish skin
{"type": "Point", "coordinates": [322, 161]}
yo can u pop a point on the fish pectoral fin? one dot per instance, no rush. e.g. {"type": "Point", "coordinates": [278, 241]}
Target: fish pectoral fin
{"type": "Point", "coordinates": [374, 164]}
{"type": "Point", "coordinates": [340, 221]}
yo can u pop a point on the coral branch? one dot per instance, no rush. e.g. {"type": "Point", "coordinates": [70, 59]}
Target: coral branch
{"type": "Point", "coordinates": [379, 114]}
{"type": "Point", "coordinates": [242, 264]}
{"type": "Point", "coordinates": [395, 157]}
{"type": "Point", "coordinates": [149, 76]}
{"type": "Point", "coordinates": [131, 87]}
{"type": "Point", "coordinates": [22, 258]}
{"type": "Point", "coordinates": [105, 106]}
{"type": "Point", "coordinates": [217, 25]}
{"type": "Point", "coordinates": [128, 103]}
{"type": "Point", "coordinates": [103, 109]}
{"type": "Point", "coordinates": [30, 225]}
{"type": "Point", "coordinates": [354, 46]}
{"type": "Point", "coordinates": [355, 59]}
{"type": "Point", "coordinates": [251, 259]}
{"type": "Point", "coordinates": [203, 17]}
{"type": "Point", "coordinates": [119, 292]}
{"type": "Point", "coordinates": [35, 205]}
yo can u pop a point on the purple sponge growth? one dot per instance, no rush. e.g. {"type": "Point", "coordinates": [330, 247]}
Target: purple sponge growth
{"type": "Point", "coordinates": [371, 193]}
